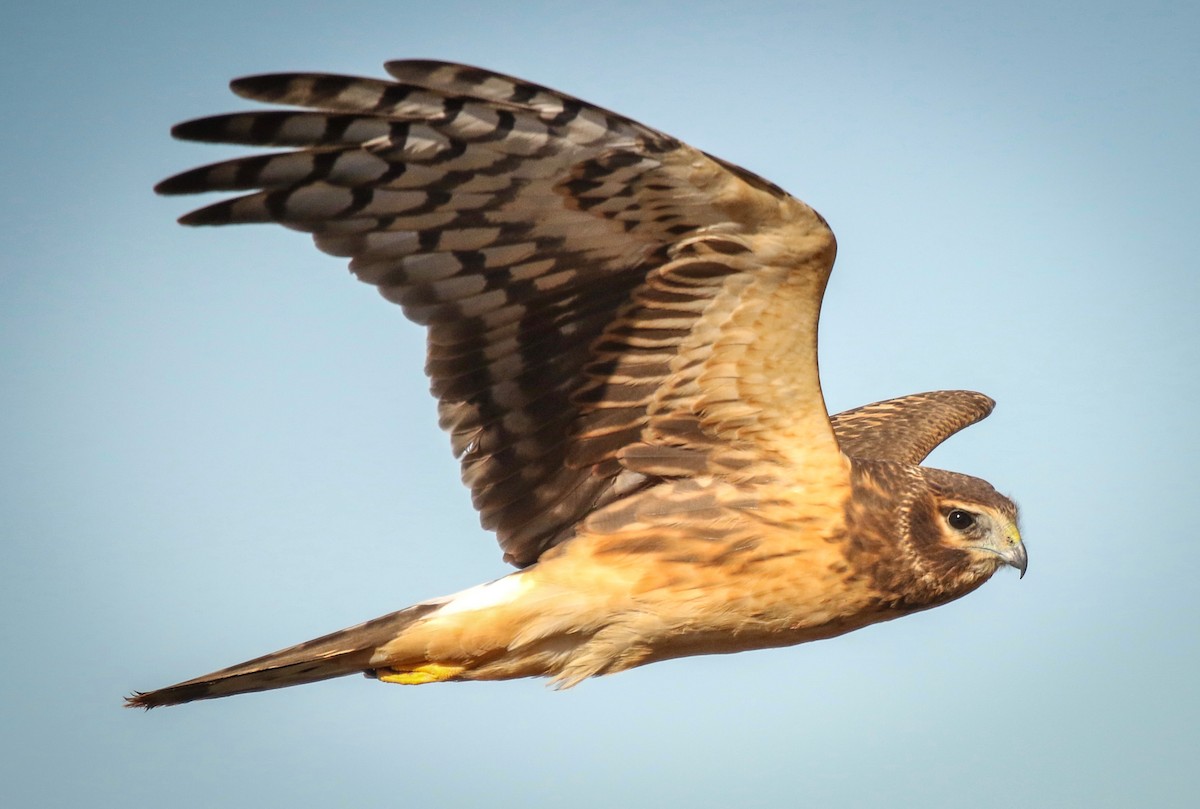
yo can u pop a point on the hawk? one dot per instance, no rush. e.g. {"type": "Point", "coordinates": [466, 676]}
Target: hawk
{"type": "Point", "coordinates": [622, 339]}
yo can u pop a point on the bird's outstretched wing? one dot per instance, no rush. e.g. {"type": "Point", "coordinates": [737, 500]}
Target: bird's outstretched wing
{"type": "Point", "coordinates": [606, 305]}
{"type": "Point", "coordinates": [907, 429]}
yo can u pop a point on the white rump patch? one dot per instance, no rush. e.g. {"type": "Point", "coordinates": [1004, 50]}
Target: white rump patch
{"type": "Point", "coordinates": [483, 596]}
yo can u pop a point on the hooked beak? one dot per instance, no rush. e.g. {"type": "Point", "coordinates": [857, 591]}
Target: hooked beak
{"type": "Point", "coordinates": [1010, 549]}
{"type": "Point", "coordinates": [1017, 557]}
{"type": "Point", "coordinates": [1013, 553]}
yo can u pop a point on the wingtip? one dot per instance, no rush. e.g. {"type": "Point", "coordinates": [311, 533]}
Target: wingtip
{"type": "Point", "coordinates": [988, 403]}
{"type": "Point", "coordinates": [260, 86]}
{"type": "Point", "coordinates": [167, 187]}
{"type": "Point", "coordinates": [209, 129]}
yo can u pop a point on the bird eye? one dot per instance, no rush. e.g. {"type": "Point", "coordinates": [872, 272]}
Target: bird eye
{"type": "Point", "coordinates": [960, 520]}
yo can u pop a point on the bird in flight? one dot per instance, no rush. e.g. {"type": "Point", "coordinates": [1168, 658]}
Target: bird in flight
{"type": "Point", "coordinates": [622, 339]}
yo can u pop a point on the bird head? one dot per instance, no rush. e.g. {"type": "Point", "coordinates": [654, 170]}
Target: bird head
{"type": "Point", "coordinates": [968, 523]}
{"type": "Point", "coordinates": [927, 536]}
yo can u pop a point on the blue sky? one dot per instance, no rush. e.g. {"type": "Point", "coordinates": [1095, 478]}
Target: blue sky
{"type": "Point", "coordinates": [217, 443]}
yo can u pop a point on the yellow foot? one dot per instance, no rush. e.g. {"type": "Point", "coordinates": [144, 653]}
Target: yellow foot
{"type": "Point", "coordinates": [428, 673]}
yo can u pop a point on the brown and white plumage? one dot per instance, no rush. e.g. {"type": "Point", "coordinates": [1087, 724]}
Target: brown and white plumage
{"type": "Point", "coordinates": [622, 341]}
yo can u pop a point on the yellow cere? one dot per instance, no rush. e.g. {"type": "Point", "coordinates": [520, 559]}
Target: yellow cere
{"type": "Point", "coordinates": [429, 673]}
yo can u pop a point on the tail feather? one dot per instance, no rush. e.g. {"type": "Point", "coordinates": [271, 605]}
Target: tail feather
{"type": "Point", "coordinates": [339, 654]}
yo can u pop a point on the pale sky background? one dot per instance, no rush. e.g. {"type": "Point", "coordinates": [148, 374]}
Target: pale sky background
{"type": "Point", "coordinates": [215, 443]}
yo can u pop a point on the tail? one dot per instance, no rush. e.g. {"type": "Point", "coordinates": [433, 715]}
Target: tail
{"type": "Point", "coordinates": [337, 655]}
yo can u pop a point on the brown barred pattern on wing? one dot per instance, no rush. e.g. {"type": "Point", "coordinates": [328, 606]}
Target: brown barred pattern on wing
{"type": "Point", "coordinates": [596, 292]}
{"type": "Point", "coordinates": [908, 428]}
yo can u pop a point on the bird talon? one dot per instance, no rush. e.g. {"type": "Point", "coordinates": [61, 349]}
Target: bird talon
{"type": "Point", "coordinates": [428, 673]}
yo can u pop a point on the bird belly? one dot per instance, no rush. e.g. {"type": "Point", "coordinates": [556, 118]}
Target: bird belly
{"type": "Point", "coordinates": [575, 615]}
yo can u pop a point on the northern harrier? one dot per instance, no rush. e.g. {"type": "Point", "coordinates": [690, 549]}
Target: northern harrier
{"type": "Point", "coordinates": [623, 345]}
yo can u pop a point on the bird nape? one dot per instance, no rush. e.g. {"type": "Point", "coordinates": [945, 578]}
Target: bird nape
{"type": "Point", "coordinates": [622, 341]}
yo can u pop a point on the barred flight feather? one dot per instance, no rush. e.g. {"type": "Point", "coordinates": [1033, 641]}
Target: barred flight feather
{"type": "Point", "coordinates": [590, 284]}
